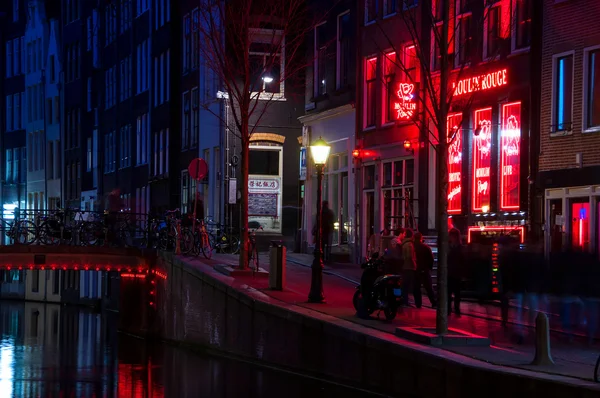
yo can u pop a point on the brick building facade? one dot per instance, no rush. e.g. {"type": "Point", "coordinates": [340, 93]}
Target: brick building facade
{"type": "Point", "coordinates": [570, 125]}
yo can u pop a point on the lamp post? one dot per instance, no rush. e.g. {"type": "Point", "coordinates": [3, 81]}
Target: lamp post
{"type": "Point", "coordinates": [319, 151]}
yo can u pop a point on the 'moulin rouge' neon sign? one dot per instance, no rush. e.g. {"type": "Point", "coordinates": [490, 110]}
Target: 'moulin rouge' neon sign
{"type": "Point", "coordinates": [510, 156]}
{"type": "Point", "coordinates": [405, 106]}
{"type": "Point", "coordinates": [454, 130]}
{"type": "Point", "coordinates": [482, 160]}
{"type": "Point", "coordinates": [480, 83]}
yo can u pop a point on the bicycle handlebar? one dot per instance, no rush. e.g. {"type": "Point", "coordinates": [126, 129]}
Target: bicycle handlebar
{"type": "Point", "coordinates": [172, 211]}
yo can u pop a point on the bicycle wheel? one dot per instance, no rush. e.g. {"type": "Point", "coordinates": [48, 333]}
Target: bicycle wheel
{"type": "Point", "coordinates": [205, 245]}
{"type": "Point", "coordinates": [25, 233]}
{"type": "Point", "coordinates": [187, 241]}
{"type": "Point", "coordinates": [48, 233]}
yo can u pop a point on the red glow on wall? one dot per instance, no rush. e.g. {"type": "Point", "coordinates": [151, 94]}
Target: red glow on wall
{"type": "Point", "coordinates": [580, 225]}
{"type": "Point", "coordinates": [405, 107]}
{"type": "Point", "coordinates": [505, 229]}
{"type": "Point", "coordinates": [455, 148]}
{"type": "Point", "coordinates": [483, 82]}
{"type": "Point", "coordinates": [510, 156]}
{"type": "Point", "coordinates": [482, 160]}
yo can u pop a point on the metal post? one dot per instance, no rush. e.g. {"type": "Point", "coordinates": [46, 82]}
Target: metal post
{"type": "Point", "coordinates": [542, 341]}
{"type": "Point", "coordinates": [316, 284]}
{"type": "Point", "coordinates": [178, 240]}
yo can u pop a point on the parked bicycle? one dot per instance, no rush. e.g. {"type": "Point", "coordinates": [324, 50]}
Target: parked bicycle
{"type": "Point", "coordinates": [253, 262]}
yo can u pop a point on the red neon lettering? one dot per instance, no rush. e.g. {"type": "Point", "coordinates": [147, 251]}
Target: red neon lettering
{"type": "Point", "coordinates": [482, 160]}
{"type": "Point", "coordinates": [487, 81]}
{"type": "Point", "coordinates": [406, 107]}
{"type": "Point", "coordinates": [510, 147]}
{"type": "Point", "coordinates": [454, 163]}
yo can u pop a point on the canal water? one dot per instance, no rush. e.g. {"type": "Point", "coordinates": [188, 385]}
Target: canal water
{"type": "Point", "coordinates": [49, 350]}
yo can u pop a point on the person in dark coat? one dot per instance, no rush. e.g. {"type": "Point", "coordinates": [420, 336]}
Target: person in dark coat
{"type": "Point", "coordinates": [424, 266]}
{"type": "Point", "coordinates": [328, 219]}
{"type": "Point", "coordinates": [456, 260]}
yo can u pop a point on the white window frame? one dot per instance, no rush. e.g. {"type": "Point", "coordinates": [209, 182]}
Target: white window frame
{"type": "Point", "coordinates": [385, 7]}
{"type": "Point", "coordinates": [457, 37]}
{"type": "Point", "coordinates": [266, 36]}
{"type": "Point", "coordinates": [553, 123]}
{"type": "Point", "coordinates": [365, 61]}
{"type": "Point", "coordinates": [488, 8]}
{"type": "Point", "coordinates": [513, 30]}
{"type": "Point", "coordinates": [585, 111]}
{"type": "Point", "coordinates": [367, 20]}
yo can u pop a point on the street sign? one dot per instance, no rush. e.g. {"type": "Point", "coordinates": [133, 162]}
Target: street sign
{"type": "Point", "coordinates": [198, 169]}
{"type": "Point", "coordinates": [303, 164]}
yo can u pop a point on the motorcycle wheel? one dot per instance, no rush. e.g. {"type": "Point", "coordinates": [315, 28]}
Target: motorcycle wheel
{"type": "Point", "coordinates": [356, 300]}
{"type": "Point", "coordinates": [390, 313]}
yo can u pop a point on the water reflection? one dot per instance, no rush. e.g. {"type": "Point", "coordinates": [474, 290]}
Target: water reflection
{"type": "Point", "coordinates": [48, 350]}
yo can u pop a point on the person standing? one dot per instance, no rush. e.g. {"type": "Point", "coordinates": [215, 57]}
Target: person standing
{"type": "Point", "coordinates": [424, 266]}
{"type": "Point", "coordinates": [409, 267]}
{"type": "Point", "coordinates": [327, 218]}
{"type": "Point", "coordinates": [456, 261]}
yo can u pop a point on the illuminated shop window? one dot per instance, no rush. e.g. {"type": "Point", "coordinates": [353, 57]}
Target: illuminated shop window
{"type": "Point", "coordinates": [510, 156]}
{"type": "Point", "coordinates": [455, 147]}
{"type": "Point", "coordinates": [482, 160]}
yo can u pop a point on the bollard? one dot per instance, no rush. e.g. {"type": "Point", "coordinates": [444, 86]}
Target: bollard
{"type": "Point", "coordinates": [177, 240]}
{"type": "Point", "coordinates": [542, 341]}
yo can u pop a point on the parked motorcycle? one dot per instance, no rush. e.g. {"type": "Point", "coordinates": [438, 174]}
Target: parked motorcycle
{"type": "Point", "coordinates": [378, 291]}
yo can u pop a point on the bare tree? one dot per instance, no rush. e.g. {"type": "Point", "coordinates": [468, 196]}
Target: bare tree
{"type": "Point", "coordinates": [446, 39]}
{"type": "Point", "coordinates": [255, 48]}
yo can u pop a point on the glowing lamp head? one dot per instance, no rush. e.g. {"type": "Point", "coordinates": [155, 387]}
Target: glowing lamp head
{"type": "Point", "coordinates": [267, 79]}
{"type": "Point", "coordinates": [407, 144]}
{"type": "Point", "coordinates": [319, 151]}
{"type": "Point", "coordinates": [356, 153]}
{"type": "Point", "coordinates": [485, 208]}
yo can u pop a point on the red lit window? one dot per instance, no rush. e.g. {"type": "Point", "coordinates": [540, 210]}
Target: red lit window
{"type": "Point", "coordinates": [510, 156]}
{"type": "Point", "coordinates": [580, 226]}
{"type": "Point", "coordinates": [370, 84]}
{"type": "Point", "coordinates": [455, 147]}
{"type": "Point", "coordinates": [482, 160]}
{"type": "Point", "coordinates": [390, 67]}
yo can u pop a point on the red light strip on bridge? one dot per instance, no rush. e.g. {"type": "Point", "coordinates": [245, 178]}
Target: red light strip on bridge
{"type": "Point", "coordinates": [139, 276]}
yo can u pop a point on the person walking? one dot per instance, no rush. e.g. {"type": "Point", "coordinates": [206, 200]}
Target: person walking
{"type": "Point", "coordinates": [425, 262]}
{"type": "Point", "coordinates": [409, 266]}
{"type": "Point", "coordinates": [456, 259]}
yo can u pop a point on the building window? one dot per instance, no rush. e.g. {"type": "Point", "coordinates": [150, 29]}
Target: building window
{"type": "Point", "coordinates": [95, 43]}
{"type": "Point", "coordinates": [89, 155]}
{"type": "Point", "coordinates": [187, 42]}
{"type": "Point", "coordinates": [186, 120]}
{"type": "Point", "coordinates": [72, 11]}
{"type": "Point", "coordinates": [389, 77]}
{"type": "Point", "coordinates": [563, 93]}
{"type": "Point", "coordinates": [110, 20]}
{"type": "Point", "coordinates": [15, 10]}
{"type": "Point", "coordinates": [493, 24]}
{"type": "Point", "coordinates": [90, 33]}
{"type": "Point", "coordinates": [523, 10]}
{"type": "Point", "coordinates": [463, 31]}
{"type": "Point", "coordinates": [110, 87]}
{"type": "Point", "coordinates": [89, 94]}
{"type": "Point", "coordinates": [143, 66]}
{"type": "Point", "coordinates": [109, 152]}
{"type": "Point", "coordinates": [125, 79]}
{"type": "Point", "coordinates": [125, 147]}
{"type": "Point", "coordinates": [125, 15]}
{"type": "Point", "coordinates": [17, 55]}
{"type": "Point", "coordinates": [9, 59]}
{"type": "Point", "coordinates": [17, 108]}
{"type": "Point", "coordinates": [344, 50]}
{"type": "Point", "coordinates": [142, 138]}
{"type": "Point", "coordinates": [142, 6]}
{"type": "Point", "coordinates": [321, 59]}
{"type": "Point", "coordinates": [195, 117]}
{"type": "Point", "coordinates": [267, 60]}
{"type": "Point", "coordinates": [9, 164]}
{"type": "Point", "coordinates": [370, 86]}
{"type": "Point", "coordinates": [398, 192]}
{"type": "Point", "coordinates": [389, 7]}
{"type": "Point", "coordinates": [195, 39]}
{"type": "Point", "coordinates": [167, 151]}
{"type": "Point", "coordinates": [9, 113]}
{"type": "Point", "coordinates": [592, 89]}
{"type": "Point", "coordinates": [371, 10]}
{"type": "Point", "coordinates": [185, 191]}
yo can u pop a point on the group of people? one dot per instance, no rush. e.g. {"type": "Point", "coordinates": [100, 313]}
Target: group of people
{"type": "Point", "coordinates": [411, 257]}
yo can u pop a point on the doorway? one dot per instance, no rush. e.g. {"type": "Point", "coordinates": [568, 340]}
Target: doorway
{"type": "Point", "coordinates": [580, 224]}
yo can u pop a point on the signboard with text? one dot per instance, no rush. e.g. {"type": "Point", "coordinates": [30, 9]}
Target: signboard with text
{"type": "Point", "coordinates": [482, 160]}
{"type": "Point", "coordinates": [483, 82]}
{"type": "Point", "coordinates": [303, 164]}
{"type": "Point", "coordinates": [455, 148]}
{"type": "Point", "coordinates": [403, 107]}
{"type": "Point", "coordinates": [510, 156]}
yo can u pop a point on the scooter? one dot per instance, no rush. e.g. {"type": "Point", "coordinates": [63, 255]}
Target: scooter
{"type": "Point", "coordinates": [378, 291]}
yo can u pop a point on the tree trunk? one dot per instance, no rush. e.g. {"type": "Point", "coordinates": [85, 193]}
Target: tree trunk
{"type": "Point", "coordinates": [245, 158]}
{"type": "Point", "coordinates": [441, 319]}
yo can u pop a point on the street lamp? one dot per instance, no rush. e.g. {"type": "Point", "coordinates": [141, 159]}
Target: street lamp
{"type": "Point", "coordinates": [319, 151]}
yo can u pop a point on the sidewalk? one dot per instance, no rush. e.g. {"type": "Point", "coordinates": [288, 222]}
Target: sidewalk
{"type": "Point", "coordinates": [573, 357]}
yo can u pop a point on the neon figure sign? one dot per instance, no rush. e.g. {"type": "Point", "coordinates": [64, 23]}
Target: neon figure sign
{"type": "Point", "coordinates": [454, 163]}
{"type": "Point", "coordinates": [482, 160]}
{"type": "Point", "coordinates": [510, 156]}
{"type": "Point", "coordinates": [406, 106]}
{"type": "Point", "coordinates": [480, 83]}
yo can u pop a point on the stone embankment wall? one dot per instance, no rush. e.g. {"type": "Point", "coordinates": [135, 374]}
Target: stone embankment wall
{"type": "Point", "coordinates": [204, 309]}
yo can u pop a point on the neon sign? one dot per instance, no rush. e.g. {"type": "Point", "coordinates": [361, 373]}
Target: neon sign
{"type": "Point", "coordinates": [480, 83]}
{"type": "Point", "coordinates": [482, 160]}
{"type": "Point", "coordinates": [454, 131]}
{"type": "Point", "coordinates": [406, 105]}
{"type": "Point", "coordinates": [510, 156]}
